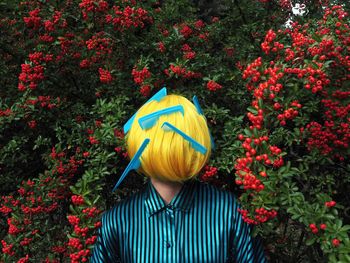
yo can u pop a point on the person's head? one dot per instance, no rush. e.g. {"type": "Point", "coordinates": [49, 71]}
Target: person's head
{"type": "Point", "coordinates": [168, 156]}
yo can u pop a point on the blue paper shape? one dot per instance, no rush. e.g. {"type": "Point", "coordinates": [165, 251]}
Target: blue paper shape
{"type": "Point", "coordinates": [196, 145]}
{"type": "Point", "coordinates": [199, 109]}
{"type": "Point", "coordinates": [158, 96]}
{"type": "Point", "coordinates": [149, 120]}
{"type": "Point", "coordinates": [134, 164]}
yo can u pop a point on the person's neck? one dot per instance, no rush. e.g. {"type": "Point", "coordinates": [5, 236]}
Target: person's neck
{"type": "Point", "coordinates": [166, 189]}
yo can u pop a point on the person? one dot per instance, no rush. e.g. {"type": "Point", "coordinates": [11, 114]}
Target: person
{"type": "Point", "coordinates": [175, 218]}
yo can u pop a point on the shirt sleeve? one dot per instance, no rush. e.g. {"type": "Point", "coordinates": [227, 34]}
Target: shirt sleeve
{"type": "Point", "coordinates": [106, 246]}
{"type": "Point", "coordinates": [245, 248]}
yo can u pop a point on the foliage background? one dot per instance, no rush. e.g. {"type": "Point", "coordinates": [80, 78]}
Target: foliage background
{"type": "Point", "coordinates": [61, 118]}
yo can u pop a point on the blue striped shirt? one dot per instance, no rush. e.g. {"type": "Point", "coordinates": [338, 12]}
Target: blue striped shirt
{"type": "Point", "coordinates": [200, 224]}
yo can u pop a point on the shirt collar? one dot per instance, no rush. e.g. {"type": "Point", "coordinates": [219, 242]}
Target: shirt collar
{"type": "Point", "coordinates": [182, 201]}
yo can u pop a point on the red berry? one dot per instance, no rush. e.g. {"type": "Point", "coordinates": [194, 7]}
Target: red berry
{"type": "Point", "coordinates": [312, 226]}
{"type": "Point", "coordinates": [335, 242]}
{"type": "Point", "coordinates": [323, 226]}
{"type": "Point", "coordinates": [330, 203]}
{"type": "Point", "coordinates": [241, 137]}
{"type": "Point", "coordinates": [263, 173]}
{"type": "Point", "coordinates": [315, 230]}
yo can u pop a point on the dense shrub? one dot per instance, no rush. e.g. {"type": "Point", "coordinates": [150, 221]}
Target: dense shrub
{"type": "Point", "coordinates": [276, 100]}
{"type": "Point", "coordinates": [301, 105]}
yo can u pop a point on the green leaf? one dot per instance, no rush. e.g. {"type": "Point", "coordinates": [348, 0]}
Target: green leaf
{"type": "Point", "coordinates": [72, 209]}
{"type": "Point", "coordinates": [310, 241]}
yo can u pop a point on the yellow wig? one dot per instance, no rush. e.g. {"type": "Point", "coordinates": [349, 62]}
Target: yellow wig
{"type": "Point", "coordinates": [168, 156]}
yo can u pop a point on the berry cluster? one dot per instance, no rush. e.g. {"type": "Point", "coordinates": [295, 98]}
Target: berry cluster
{"type": "Point", "coordinates": [145, 90]}
{"type": "Point", "coordinates": [44, 102]}
{"type": "Point", "coordinates": [100, 44]}
{"type": "Point", "coordinates": [123, 19]}
{"type": "Point", "coordinates": [261, 215]}
{"type": "Point", "coordinates": [266, 45]}
{"type": "Point", "coordinates": [180, 71]}
{"type": "Point", "coordinates": [140, 75]}
{"type": "Point", "coordinates": [105, 76]}
{"type": "Point", "coordinates": [209, 173]}
{"type": "Point", "coordinates": [185, 31]}
{"type": "Point", "coordinates": [33, 20]}
{"type": "Point", "coordinates": [285, 4]}
{"type": "Point", "coordinates": [77, 200]}
{"type": "Point", "coordinates": [188, 52]}
{"type": "Point", "coordinates": [30, 76]}
{"type": "Point", "coordinates": [92, 6]}
{"type": "Point", "coordinates": [213, 86]}
{"type": "Point", "coordinates": [313, 228]}
{"type": "Point", "coordinates": [161, 47]}
{"type": "Point", "coordinates": [249, 181]}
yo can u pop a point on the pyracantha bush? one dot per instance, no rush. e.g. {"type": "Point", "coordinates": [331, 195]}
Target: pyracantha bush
{"type": "Point", "coordinates": [300, 109]}
{"type": "Point", "coordinates": [74, 71]}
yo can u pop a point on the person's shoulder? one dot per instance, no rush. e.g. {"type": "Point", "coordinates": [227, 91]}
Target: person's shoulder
{"type": "Point", "coordinates": [131, 201]}
{"type": "Point", "coordinates": [204, 186]}
{"type": "Point", "coordinates": [218, 201]}
{"type": "Point", "coordinates": [217, 194]}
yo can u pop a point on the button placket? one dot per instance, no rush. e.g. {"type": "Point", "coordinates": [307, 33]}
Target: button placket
{"type": "Point", "coordinates": [170, 212]}
{"type": "Point", "coordinates": [170, 242]}
{"type": "Point", "coordinates": [173, 247]}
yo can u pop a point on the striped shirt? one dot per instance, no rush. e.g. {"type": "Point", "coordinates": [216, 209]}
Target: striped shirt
{"type": "Point", "coordinates": [200, 224]}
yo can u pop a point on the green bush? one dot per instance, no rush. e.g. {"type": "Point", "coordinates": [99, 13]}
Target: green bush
{"type": "Point", "coordinates": [74, 71]}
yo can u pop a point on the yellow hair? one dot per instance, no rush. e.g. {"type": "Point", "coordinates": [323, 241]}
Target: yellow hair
{"type": "Point", "coordinates": [168, 156]}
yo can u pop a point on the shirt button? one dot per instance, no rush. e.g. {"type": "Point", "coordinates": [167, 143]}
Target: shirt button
{"type": "Point", "coordinates": [168, 245]}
